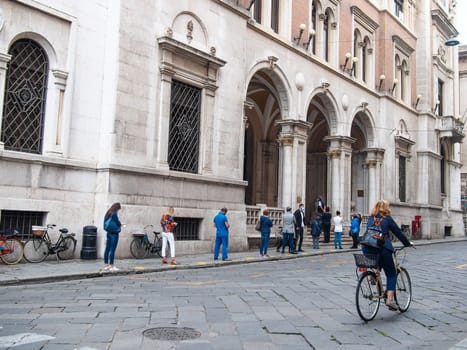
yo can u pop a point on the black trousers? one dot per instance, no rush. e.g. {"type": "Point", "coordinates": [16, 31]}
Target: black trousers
{"type": "Point", "coordinates": [327, 232]}
{"type": "Point", "coordinates": [299, 237]}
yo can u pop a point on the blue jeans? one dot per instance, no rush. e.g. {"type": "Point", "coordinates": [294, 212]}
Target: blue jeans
{"type": "Point", "coordinates": [386, 262]}
{"type": "Point", "coordinates": [315, 242]}
{"type": "Point", "coordinates": [288, 240]}
{"type": "Point", "coordinates": [224, 240]}
{"type": "Point", "coordinates": [110, 247]}
{"type": "Point", "coordinates": [263, 246]}
{"type": "Point", "coordinates": [338, 240]}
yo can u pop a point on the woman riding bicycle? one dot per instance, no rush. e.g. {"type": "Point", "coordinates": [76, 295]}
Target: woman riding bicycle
{"type": "Point", "coordinates": [382, 212]}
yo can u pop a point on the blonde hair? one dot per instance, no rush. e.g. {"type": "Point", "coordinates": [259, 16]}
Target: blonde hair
{"type": "Point", "coordinates": [381, 208]}
{"type": "Point", "coordinates": [170, 211]}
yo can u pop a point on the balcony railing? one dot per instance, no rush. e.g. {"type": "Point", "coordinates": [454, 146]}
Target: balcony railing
{"type": "Point", "coordinates": [452, 128]}
{"type": "Point", "coordinates": [253, 214]}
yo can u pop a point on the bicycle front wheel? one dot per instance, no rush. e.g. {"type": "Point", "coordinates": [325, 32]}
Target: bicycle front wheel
{"type": "Point", "coordinates": [67, 247]}
{"type": "Point", "coordinates": [368, 296]}
{"type": "Point", "coordinates": [139, 248]}
{"type": "Point", "coordinates": [403, 293]}
{"type": "Point", "coordinates": [35, 250]}
{"type": "Point", "coordinates": [15, 251]}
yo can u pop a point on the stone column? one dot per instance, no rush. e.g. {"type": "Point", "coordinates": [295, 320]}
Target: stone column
{"type": "Point", "coordinates": [293, 140]}
{"type": "Point", "coordinates": [161, 144]}
{"type": "Point", "coordinates": [374, 162]}
{"type": "Point", "coordinates": [286, 145]}
{"type": "Point", "coordinates": [54, 141]}
{"type": "Point", "coordinates": [339, 173]}
{"type": "Point", "coordinates": [4, 59]}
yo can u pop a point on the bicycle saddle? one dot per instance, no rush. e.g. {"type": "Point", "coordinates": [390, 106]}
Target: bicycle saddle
{"type": "Point", "coordinates": [63, 230]}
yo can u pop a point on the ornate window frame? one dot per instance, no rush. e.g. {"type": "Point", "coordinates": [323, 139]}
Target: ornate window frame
{"type": "Point", "coordinates": [202, 73]}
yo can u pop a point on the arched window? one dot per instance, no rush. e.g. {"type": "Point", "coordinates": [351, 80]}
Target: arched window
{"type": "Point", "coordinates": [257, 10]}
{"type": "Point", "coordinates": [313, 26]}
{"type": "Point", "coordinates": [357, 38]}
{"type": "Point", "coordinates": [275, 15]}
{"type": "Point", "coordinates": [326, 35]}
{"type": "Point", "coordinates": [25, 97]}
{"type": "Point", "coordinates": [397, 75]}
{"type": "Point", "coordinates": [366, 64]}
{"type": "Point", "coordinates": [404, 81]}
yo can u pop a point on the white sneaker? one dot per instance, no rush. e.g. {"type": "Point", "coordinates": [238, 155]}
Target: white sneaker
{"type": "Point", "coordinates": [107, 268]}
{"type": "Point", "coordinates": [114, 269]}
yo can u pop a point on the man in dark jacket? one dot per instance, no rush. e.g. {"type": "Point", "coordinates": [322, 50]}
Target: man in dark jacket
{"type": "Point", "coordinates": [300, 224]}
{"type": "Point", "coordinates": [326, 224]}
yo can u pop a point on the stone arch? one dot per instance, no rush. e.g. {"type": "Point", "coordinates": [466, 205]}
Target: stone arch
{"type": "Point", "coordinates": [189, 28]}
{"type": "Point", "coordinates": [362, 131]}
{"type": "Point", "coordinates": [279, 80]}
{"type": "Point", "coordinates": [43, 42]}
{"type": "Point", "coordinates": [267, 101]}
{"type": "Point", "coordinates": [322, 113]}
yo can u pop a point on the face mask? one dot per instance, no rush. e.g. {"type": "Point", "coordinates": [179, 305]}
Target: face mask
{"type": "Point", "coordinates": [303, 209]}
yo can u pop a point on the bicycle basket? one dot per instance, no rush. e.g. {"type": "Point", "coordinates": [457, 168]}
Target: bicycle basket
{"type": "Point", "coordinates": [370, 261]}
{"type": "Point", "coordinates": [39, 231]}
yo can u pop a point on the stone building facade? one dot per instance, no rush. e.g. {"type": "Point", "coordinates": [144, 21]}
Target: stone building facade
{"type": "Point", "coordinates": [238, 103]}
{"type": "Point", "coordinates": [463, 113]}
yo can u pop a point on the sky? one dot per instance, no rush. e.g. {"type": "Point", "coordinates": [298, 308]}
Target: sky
{"type": "Point", "coordinates": [461, 14]}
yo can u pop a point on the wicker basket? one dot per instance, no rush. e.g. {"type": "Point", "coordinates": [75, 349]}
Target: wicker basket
{"type": "Point", "coordinates": [369, 261]}
{"type": "Point", "coordinates": [39, 231]}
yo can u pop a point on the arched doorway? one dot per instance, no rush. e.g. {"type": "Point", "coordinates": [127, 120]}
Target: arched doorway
{"type": "Point", "coordinates": [261, 151]}
{"type": "Point", "coordinates": [361, 132]}
{"type": "Point", "coordinates": [316, 160]}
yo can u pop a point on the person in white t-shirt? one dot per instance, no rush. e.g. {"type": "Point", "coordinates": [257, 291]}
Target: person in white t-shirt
{"type": "Point", "coordinates": [337, 222]}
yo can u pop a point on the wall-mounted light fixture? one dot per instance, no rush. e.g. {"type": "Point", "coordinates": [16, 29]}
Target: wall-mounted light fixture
{"type": "Point", "coordinates": [354, 63]}
{"type": "Point", "coordinates": [452, 42]}
{"type": "Point", "coordinates": [251, 4]}
{"type": "Point", "coordinates": [417, 101]}
{"type": "Point", "coordinates": [394, 84]}
{"type": "Point", "coordinates": [347, 58]}
{"type": "Point", "coordinates": [435, 109]}
{"type": "Point", "coordinates": [311, 34]}
{"type": "Point", "coordinates": [382, 77]}
{"type": "Point", "coordinates": [301, 28]}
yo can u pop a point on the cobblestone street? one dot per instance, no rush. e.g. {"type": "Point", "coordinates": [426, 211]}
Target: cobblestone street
{"type": "Point", "coordinates": [305, 303]}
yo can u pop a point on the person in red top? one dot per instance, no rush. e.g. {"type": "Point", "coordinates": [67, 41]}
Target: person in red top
{"type": "Point", "coordinates": [168, 226]}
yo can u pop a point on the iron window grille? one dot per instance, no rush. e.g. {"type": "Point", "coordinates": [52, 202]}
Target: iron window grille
{"type": "Point", "coordinates": [184, 127]}
{"type": "Point", "coordinates": [187, 229]}
{"type": "Point", "coordinates": [22, 221]}
{"type": "Point", "coordinates": [25, 95]}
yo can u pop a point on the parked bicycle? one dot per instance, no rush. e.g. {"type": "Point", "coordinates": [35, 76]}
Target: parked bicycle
{"type": "Point", "coordinates": [371, 290]}
{"type": "Point", "coordinates": [11, 247]}
{"type": "Point", "coordinates": [40, 246]}
{"type": "Point", "coordinates": [141, 246]}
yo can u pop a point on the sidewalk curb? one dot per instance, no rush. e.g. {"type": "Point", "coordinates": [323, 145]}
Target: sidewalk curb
{"type": "Point", "coordinates": [241, 261]}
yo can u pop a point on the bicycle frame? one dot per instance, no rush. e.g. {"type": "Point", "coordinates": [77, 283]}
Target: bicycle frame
{"type": "Point", "coordinates": [371, 289]}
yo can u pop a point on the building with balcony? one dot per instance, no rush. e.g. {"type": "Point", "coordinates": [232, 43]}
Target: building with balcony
{"type": "Point", "coordinates": [237, 103]}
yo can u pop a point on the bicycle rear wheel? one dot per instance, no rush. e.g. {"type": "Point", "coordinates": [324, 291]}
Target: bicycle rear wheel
{"type": "Point", "coordinates": [367, 296]}
{"type": "Point", "coordinates": [403, 293]}
{"type": "Point", "coordinates": [67, 247]}
{"type": "Point", "coordinates": [35, 250]}
{"type": "Point", "coordinates": [15, 251]}
{"type": "Point", "coordinates": [139, 248]}
{"type": "Point", "coordinates": [158, 246]}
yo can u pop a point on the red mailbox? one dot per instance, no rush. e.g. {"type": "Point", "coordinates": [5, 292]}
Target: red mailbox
{"type": "Point", "coordinates": [417, 226]}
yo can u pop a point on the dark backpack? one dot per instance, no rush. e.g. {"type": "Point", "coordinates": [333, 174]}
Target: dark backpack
{"type": "Point", "coordinates": [374, 235]}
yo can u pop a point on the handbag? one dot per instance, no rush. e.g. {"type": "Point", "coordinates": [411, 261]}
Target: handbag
{"type": "Point", "coordinates": [374, 235]}
{"type": "Point", "coordinates": [258, 224]}
{"type": "Point", "coordinates": [107, 222]}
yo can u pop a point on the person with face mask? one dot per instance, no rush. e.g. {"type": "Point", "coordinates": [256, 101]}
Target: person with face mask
{"type": "Point", "coordinates": [300, 224]}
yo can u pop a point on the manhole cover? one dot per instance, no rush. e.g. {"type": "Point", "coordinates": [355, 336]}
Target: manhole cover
{"type": "Point", "coordinates": [171, 333]}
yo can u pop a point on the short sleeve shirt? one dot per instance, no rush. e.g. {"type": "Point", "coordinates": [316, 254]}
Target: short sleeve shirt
{"type": "Point", "coordinates": [219, 220]}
